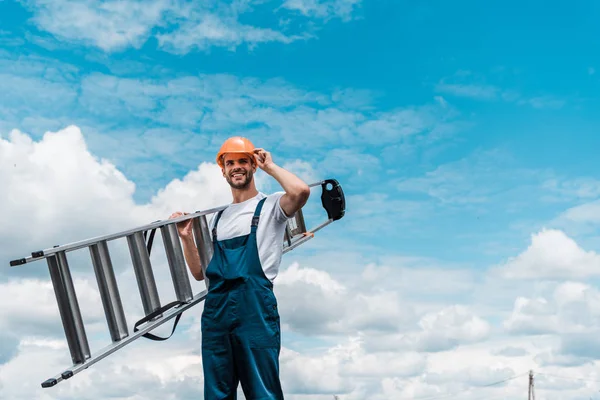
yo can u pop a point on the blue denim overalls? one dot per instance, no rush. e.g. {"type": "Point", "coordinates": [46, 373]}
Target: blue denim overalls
{"type": "Point", "coordinates": [240, 322]}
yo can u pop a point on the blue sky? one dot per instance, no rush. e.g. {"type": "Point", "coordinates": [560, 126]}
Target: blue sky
{"type": "Point", "coordinates": [459, 131]}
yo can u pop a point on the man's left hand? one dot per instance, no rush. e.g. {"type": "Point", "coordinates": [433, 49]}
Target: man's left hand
{"type": "Point", "coordinates": [263, 159]}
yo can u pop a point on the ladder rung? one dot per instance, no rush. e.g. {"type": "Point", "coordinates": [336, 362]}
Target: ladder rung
{"type": "Point", "coordinates": [68, 307]}
{"type": "Point", "coordinates": [300, 224]}
{"type": "Point", "coordinates": [203, 239]}
{"type": "Point", "coordinates": [109, 291]}
{"type": "Point", "coordinates": [177, 265]}
{"type": "Point", "coordinates": [143, 272]}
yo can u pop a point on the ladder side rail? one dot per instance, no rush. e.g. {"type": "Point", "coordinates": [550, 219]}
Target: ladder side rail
{"type": "Point", "coordinates": [304, 238]}
{"type": "Point", "coordinates": [40, 254]}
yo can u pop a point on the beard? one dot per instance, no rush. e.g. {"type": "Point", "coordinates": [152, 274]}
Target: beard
{"type": "Point", "coordinates": [240, 185]}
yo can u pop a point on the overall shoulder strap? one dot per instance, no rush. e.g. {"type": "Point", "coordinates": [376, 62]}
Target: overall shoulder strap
{"type": "Point", "coordinates": [256, 216]}
{"type": "Point", "coordinates": [214, 229]}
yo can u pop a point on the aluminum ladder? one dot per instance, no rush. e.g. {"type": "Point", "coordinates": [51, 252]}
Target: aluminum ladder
{"type": "Point", "coordinates": [140, 244]}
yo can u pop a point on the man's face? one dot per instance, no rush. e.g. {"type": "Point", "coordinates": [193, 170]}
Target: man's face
{"type": "Point", "coordinates": [238, 170]}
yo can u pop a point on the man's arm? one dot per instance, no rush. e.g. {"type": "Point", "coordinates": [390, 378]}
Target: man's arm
{"type": "Point", "coordinates": [190, 252]}
{"type": "Point", "coordinates": [296, 190]}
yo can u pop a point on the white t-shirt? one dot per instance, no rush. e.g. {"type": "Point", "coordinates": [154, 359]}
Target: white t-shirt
{"type": "Point", "coordinates": [237, 219]}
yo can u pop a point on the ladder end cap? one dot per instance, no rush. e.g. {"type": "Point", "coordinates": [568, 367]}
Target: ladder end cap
{"type": "Point", "coordinates": [49, 383]}
{"type": "Point", "coordinates": [37, 254]}
{"type": "Point", "coordinates": [67, 374]}
{"type": "Point", "coordinates": [20, 261]}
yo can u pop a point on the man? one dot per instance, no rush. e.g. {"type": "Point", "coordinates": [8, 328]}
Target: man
{"type": "Point", "coordinates": [240, 322]}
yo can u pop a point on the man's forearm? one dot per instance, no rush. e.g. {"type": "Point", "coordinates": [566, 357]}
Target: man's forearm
{"type": "Point", "coordinates": [192, 258]}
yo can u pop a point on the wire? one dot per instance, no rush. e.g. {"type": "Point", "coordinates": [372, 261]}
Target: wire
{"type": "Point", "coordinates": [443, 396]}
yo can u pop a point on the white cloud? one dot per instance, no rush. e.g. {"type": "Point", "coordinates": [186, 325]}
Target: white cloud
{"type": "Point", "coordinates": [479, 178]}
{"type": "Point", "coordinates": [178, 27]}
{"type": "Point", "coordinates": [448, 328]}
{"type": "Point", "coordinates": [304, 170]}
{"type": "Point", "coordinates": [272, 109]}
{"type": "Point", "coordinates": [210, 30]}
{"type": "Point", "coordinates": [317, 303]}
{"type": "Point", "coordinates": [552, 255]}
{"type": "Point", "coordinates": [108, 25]}
{"type": "Point", "coordinates": [511, 352]}
{"type": "Point", "coordinates": [545, 102]}
{"type": "Point", "coordinates": [474, 86]}
{"type": "Point", "coordinates": [572, 189]}
{"type": "Point", "coordinates": [341, 369]}
{"type": "Point", "coordinates": [588, 213]}
{"type": "Point", "coordinates": [325, 9]}
{"type": "Point", "coordinates": [468, 90]}
{"type": "Point", "coordinates": [569, 315]}
{"type": "Point", "coordinates": [532, 316]}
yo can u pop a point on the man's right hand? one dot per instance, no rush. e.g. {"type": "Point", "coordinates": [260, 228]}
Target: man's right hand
{"type": "Point", "coordinates": [184, 228]}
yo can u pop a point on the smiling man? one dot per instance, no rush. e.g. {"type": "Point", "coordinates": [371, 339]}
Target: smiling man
{"type": "Point", "coordinates": [240, 323]}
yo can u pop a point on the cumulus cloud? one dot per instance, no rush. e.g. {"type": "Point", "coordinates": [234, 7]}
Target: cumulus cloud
{"type": "Point", "coordinates": [552, 255]}
{"type": "Point", "coordinates": [571, 307]}
{"type": "Point", "coordinates": [147, 371]}
{"type": "Point", "coordinates": [511, 352]}
{"type": "Point", "coordinates": [57, 184]}
{"type": "Point", "coordinates": [448, 328]}
{"type": "Point", "coordinates": [337, 370]}
{"type": "Point", "coordinates": [532, 316]}
{"type": "Point", "coordinates": [316, 303]}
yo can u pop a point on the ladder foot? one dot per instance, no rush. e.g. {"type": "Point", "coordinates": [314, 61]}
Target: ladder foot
{"type": "Point", "coordinates": [37, 254]}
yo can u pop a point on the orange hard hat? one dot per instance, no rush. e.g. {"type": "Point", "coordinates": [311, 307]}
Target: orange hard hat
{"type": "Point", "coordinates": [236, 144]}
